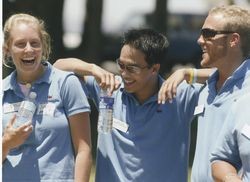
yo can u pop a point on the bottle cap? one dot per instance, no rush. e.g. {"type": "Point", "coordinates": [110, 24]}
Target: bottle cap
{"type": "Point", "coordinates": [28, 85]}
{"type": "Point", "coordinates": [32, 95]}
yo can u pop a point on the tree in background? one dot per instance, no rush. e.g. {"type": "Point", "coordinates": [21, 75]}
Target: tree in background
{"type": "Point", "coordinates": [92, 37]}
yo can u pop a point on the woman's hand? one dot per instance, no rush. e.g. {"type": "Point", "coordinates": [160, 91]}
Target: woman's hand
{"type": "Point", "coordinates": [14, 137]}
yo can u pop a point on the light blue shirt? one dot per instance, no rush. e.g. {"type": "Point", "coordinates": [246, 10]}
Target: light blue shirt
{"type": "Point", "coordinates": [156, 144]}
{"type": "Point", "coordinates": [47, 155]}
{"type": "Point", "coordinates": [233, 145]}
{"type": "Point", "coordinates": [211, 118]}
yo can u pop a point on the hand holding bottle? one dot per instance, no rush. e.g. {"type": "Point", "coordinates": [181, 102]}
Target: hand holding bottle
{"type": "Point", "coordinates": [14, 137]}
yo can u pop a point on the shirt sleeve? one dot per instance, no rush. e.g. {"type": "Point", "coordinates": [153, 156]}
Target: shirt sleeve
{"type": "Point", "coordinates": [187, 98]}
{"type": "Point", "coordinates": [92, 90]}
{"type": "Point", "coordinates": [226, 147]}
{"type": "Point", "coordinates": [73, 96]}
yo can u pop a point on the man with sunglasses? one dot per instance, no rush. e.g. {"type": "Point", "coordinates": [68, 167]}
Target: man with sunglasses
{"type": "Point", "coordinates": [149, 141]}
{"type": "Point", "coordinates": [224, 40]}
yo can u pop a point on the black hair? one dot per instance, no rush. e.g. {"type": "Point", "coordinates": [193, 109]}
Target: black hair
{"type": "Point", "coordinates": [153, 44]}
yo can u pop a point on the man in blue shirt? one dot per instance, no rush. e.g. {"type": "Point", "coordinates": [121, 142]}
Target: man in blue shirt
{"type": "Point", "coordinates": [149, 141]}
{"type": "Point", "coordinates": [232, 151]}
{"type": "Point", "coordinates": [224, 40]}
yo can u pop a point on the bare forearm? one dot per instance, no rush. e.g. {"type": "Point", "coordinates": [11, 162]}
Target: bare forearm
{"type": "Point", "coordinates": [75, 65]}
{"type": "Point", "coordinates": [203, 75]}
{"type": "Point", "coordinates": [197, 75]}
{"type": "Point", "coordinates": [224, 172]}
{"type": "Point", "coordinates": [83, 166]}
{"type": "Point", "coordinates": [81, 137]}
{"type": "Point", "coordinates": [105, 78]}
{"type": "Point", "coordinates": [168, 89]}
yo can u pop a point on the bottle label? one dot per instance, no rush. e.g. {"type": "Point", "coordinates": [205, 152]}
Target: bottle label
{"type": "Point", "coordinates": [105, 119]}
{"type": "Point", "coordinates": [25, 113]}
{"type": "Point", "coordinates": [107, 102]}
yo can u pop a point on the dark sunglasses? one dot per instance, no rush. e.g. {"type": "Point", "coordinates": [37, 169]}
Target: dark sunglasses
{"type": "Point", "coordinates": [210, 33]}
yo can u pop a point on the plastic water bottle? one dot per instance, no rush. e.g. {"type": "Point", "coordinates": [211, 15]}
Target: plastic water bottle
{"type": "Point", "coordinates": [105, 119]}
{"type": "Point", "coordinates": [26, 110]}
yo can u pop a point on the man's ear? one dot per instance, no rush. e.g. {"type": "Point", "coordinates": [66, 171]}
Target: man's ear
{"type": "Point", "coordinates": [156, 68]}
{"type": "Point", "coordinates": [235, 39]}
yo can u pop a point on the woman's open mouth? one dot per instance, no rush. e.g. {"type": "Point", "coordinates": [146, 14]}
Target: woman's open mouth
{"type": "Point", "coordinates": [28, 61]}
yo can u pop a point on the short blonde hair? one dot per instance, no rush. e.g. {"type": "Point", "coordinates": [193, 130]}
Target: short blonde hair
{"type": "Point", "coordinates": [237, 19]}
{"type": "Point", "coordinates": [28, 19]}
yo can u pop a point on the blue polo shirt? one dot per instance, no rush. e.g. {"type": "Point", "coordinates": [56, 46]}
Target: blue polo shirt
{"type": "Point", "coordinates": [156, 144]}
{"type": "Point", "coordinates": [233, 145]}
{"type": "Point", "coordinates": [213, 110]}
{"type": "Point", "coordinates": [47, 155]}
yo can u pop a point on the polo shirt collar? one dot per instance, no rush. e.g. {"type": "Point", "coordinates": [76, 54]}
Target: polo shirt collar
{"type": "Point", "coordinates": [237, 74]}
{"type": "Point", "coordinates": [10, 83]}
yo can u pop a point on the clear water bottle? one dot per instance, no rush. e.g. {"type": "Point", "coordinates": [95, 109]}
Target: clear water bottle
{"type": "Point", "coordinates": [26, 110]}
{"type": "Point", "coordinates": [105, 119]}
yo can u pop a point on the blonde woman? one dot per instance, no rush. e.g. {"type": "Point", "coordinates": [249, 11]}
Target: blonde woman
{"type": "Point", "coordinates": [56, 144]}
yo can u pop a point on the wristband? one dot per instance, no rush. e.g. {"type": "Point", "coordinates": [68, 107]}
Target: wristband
{"type": "Point", "coordinates": [191, 75]}
{"type": "Point", "coordinates": [195, 75]}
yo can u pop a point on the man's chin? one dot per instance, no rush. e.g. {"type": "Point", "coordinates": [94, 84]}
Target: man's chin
{"type": "Point", "coordinates": [128, 90]}
{"type": "Point", "coordinates": [204, 63]}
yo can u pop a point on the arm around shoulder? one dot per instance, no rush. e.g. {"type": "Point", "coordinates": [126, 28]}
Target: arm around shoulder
{"type": "Point", "coordinates": [78, 66]}
{"type": "Point", "coordinates": [169, 88]}
{"type": "Point", "coordinates": [193, 75]}
{"type": "Point", "coordinates": [81, 68]}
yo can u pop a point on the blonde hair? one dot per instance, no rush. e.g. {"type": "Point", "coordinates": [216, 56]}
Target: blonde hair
{"type": "Point", "coordinates": [28, 19]}
{"type": "Point", "coordinates": [236, 19]}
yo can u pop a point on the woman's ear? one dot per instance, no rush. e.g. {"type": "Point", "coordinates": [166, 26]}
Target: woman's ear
{"type": "Point", "coordinates": [5, 50]}
{"type": "Point", "coordinates": [7, 59]}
